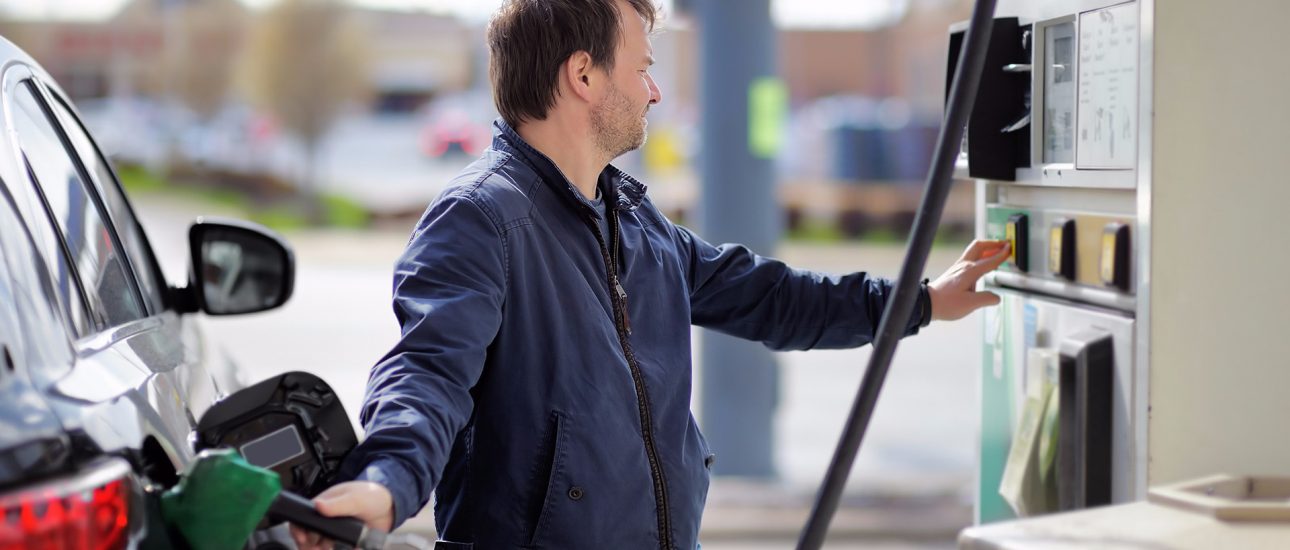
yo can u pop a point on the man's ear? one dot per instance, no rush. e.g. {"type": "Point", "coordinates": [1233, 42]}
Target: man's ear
{"type": "Point", "coordinates": [579, 75]}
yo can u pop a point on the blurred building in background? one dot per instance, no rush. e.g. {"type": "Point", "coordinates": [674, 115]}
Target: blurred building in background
{"type": "Point", "coordinates": [417, 56]}
{"type": "Point", "coordinates": [165, 81]}
{"type": "Point", "coordinates": [864, 112]}
{"type": "Point", "coordinates": [130, 53]}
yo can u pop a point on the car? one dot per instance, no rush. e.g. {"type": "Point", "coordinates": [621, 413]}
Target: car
{"type": "Point", "coordinates": [104, 371]}
{"type": "Point", "coordinates": [458, 124]}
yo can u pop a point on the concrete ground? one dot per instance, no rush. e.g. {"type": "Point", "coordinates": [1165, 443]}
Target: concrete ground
{"type": "Point", "coordinates": [910, 487]}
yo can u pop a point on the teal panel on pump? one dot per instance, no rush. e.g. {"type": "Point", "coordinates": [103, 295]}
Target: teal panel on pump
{"type": "Point", "coordinates": [999, 378]}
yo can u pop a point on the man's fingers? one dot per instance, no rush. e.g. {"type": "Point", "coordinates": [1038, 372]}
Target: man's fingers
{"type": "Point", "coordinates": [980, 248]}
{"type": "Point", "coordinates": [305, 540]}
{"type": "Point", "coordinates": [343, 505]}
{"type": "Point", "coordinates": [365, 500]}
{"type": "Point", "coordinates": [370, 502]}
{"type": "Point", "coordinates": [338, 504]}
{"type": "Point", "coordinates": [341, 500]}
{"type": "Point", "coordinates": [973, 251]}
{"type": "Point", "coordinates": [984, 299]}
{"type": "Point", "coordinates": [989, 263]}
{"type": "Point", "coordinates": [336, 491]}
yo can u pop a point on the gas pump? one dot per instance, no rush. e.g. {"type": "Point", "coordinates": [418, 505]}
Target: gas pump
{"type": "Point", "coordinates": [1055, 129]}
{"type": "Point", "coordinates": [1128, 152]}
{"type": "Point", "coordinates": [1131, 151]}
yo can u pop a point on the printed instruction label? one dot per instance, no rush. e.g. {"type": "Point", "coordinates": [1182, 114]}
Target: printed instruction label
{"type": "Point", "coordinates": [1108, 88]}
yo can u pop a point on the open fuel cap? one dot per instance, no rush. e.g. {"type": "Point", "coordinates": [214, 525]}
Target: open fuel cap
{"type": "Point", "coordinates": [293, 424]}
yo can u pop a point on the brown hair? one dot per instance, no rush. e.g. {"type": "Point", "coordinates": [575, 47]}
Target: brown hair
{"type": "Point", "coordinates": [528, 41]}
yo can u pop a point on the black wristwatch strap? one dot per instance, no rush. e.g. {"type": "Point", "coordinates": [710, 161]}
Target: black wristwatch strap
{"type": "Point", "coordinates": [925, 314]}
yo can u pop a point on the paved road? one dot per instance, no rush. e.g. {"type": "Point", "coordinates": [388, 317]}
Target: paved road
{"type": "Point", "coordinates": [921, 441]}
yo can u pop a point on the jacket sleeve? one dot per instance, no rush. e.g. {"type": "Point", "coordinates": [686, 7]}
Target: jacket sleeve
{"type": "Point", "coordinates": [737, 292]}
{"type": "Point", "coordinates": [448, 293]}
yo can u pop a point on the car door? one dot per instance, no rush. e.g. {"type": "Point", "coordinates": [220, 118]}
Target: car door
{"type": "Point", "coordinates": [137, 372]}
{"type": "Point", "coordinates": [201, 379]}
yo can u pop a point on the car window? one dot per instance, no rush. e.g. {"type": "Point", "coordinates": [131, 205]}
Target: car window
{"type": "Point", "coordinates": [30, 293]}
{"type": "Point", "coordinates": [51, 247]}
{"type": "Point", "coordinates": [110, 292]}
{"type": "Point", "coordinates": [128, 228]}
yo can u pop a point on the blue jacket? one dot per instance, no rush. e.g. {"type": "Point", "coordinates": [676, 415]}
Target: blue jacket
{"type": "Point", "coordinates": [541, 387]}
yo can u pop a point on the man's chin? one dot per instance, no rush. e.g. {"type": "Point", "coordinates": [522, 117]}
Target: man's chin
{"type": "Point", "coordinates": [638, 145]}
{"type": "Point", "coordinates": [635, 146]}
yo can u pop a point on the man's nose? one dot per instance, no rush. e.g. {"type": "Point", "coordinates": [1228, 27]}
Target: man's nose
{"type": "Point", "coordinates": [655, 94]}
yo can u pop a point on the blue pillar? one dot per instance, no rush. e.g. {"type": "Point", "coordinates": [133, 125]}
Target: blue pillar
{"type": "Point", "coordinates": [740, 379]}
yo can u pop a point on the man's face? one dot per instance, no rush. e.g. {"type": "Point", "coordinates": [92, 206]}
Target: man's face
{"type": "Point", "coordinates": [618, 120]}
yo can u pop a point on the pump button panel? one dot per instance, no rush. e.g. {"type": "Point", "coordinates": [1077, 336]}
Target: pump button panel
{"type": "Point", "coordinates": [1068, 247]}
{"type": "Point", "coordinates": [1114, 261]}
{"type": "Point", "coordinates": [1017, 232]}
{"type": "Point", "coordinates": [1061, 249]}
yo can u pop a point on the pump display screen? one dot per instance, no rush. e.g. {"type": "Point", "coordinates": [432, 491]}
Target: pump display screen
{"type": "Point", "coordinates": [1059, 93]}
{"type": "Point", "coordinates": [1107, 119]}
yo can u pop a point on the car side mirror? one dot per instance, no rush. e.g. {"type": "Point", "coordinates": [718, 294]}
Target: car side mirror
{"type": "Point", "coordinates": [237, 267]}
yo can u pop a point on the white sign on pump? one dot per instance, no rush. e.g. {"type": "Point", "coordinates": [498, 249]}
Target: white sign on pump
{"type": "Point", "coordinates": [1108, 88]}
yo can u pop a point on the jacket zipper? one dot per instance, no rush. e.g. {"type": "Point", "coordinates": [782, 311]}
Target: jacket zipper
{"type": "Point", "coordinates": [623, 325]}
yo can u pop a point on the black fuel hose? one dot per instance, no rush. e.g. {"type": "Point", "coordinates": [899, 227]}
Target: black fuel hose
{"type": "Point", "coordinates": [900, 305]}
{"type": "Point", "coordinates": [346, 530]}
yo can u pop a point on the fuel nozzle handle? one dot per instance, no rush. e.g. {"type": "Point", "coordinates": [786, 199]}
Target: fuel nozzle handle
{"type": "Point", "coordinates": [347, 530]}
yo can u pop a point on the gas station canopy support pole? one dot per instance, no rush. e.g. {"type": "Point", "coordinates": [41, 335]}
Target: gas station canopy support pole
{"type": "Point", "coordinates": [740, 379]}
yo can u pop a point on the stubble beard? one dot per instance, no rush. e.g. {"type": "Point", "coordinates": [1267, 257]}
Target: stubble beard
{"type": "Point", "coordinates": [617, 125]}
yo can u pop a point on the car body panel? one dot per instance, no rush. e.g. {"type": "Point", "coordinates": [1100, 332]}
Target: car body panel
{"type": "Point", "coordinates": [32, 440]}
{"type": "Point", "coordinates": [71, 398]}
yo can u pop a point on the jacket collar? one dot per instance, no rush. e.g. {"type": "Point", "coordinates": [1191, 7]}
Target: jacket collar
{"type": "Point", "coordinates": [630, 192]}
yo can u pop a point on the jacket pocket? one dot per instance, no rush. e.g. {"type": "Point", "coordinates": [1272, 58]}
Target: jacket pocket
{"type": "Point", "coordinates": [448, 545]}
{"type": "Point", "coordinates": [552, 455]}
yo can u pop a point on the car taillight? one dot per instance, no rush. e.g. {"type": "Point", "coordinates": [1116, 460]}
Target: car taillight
{"type": "Point", "coordinates": [88, 511]}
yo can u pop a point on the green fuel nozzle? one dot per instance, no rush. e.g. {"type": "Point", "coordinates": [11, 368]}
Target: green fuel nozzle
{"type": "Point", "coordinates": [221, 498]}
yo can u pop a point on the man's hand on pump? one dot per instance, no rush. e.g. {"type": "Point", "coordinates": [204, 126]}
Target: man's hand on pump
{"type": "Point", "coordinates": [954, 293]}
{"type": "Point", "coordinates": [368, 501]}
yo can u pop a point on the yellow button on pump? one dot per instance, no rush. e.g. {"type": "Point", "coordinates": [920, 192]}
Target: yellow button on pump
{"type": "Point", "coordinates": [1061, 249]}
{"type": "Point", "coordinates": [1017, 231]}
{"type": "Point", "coordinates": [1114, 262]}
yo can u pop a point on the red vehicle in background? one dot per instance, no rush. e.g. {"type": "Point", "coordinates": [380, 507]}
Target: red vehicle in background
{"type": "Point", "coordinates": [457, 125]}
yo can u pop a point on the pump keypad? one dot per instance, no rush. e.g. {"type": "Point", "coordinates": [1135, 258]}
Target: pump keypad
{"type": "Point", "coordinates": [1017, 232]}
{"type": "Point", "coordinates": [1114, 261]}
{"type": "Point", "coordinates": [1061, 249]}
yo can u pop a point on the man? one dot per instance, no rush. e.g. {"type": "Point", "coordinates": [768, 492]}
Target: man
{"type": "Point", "coordinates": [541, 387]}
